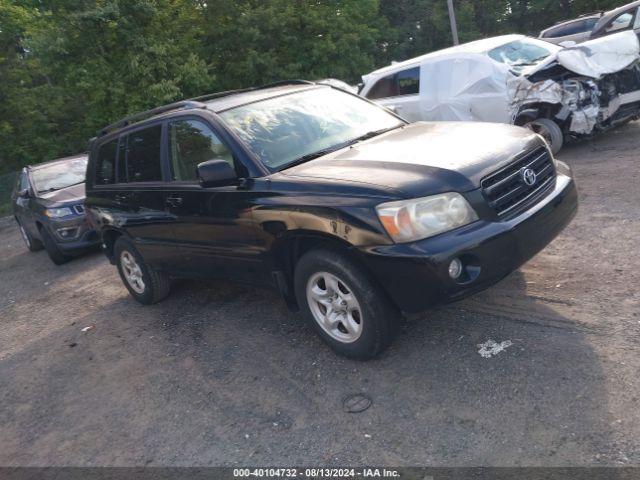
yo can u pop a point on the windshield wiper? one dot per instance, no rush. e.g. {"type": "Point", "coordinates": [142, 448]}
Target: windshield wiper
{"type": "Point", "coordinates": [373, 133]}
{"type": "Point", "coordinates": [319, 153]}
{"type": "Point", "coordinates": [54, 189]}
{"type": "Point", "coordinates": [325, 151]}
{"type": "Point", "coordinates": [535, 61]}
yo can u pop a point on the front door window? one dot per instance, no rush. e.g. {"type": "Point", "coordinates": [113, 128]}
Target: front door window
{"type": "Point", "coordinates": [192, 142]}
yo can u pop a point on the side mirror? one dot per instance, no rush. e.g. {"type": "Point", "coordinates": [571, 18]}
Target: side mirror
{"type": "Point", "coordinates": [215, 173]}
{"type": "Point", "coordinates": [23, 193]}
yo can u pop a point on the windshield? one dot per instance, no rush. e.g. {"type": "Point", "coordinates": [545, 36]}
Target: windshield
{"type": "Point", "coordinates": [59, 175]}
{"type": "Point", "coordinates": [291, 128]}
{"type": "Point", "coordinates": [520, 54]}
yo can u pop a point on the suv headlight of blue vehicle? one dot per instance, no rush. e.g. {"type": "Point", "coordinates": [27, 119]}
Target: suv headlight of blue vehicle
{"type": "Point", "coordinates": [58, 212]}
{"type": "Point", "coordinates": [419, 218]}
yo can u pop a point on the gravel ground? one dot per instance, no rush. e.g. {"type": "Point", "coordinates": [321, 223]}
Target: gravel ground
{"type": "Point", "coordinates": [224, 374]}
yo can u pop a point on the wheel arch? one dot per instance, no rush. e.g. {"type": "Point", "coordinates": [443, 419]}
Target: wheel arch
{"type": "Point", "coordinates": [109, 238]}
{"type": "Point", "coordinates": [287, 250]}
{"type": "Point", "coordinates": [39, 227]}
{"type": "Point", "coordinates": [533, 111]}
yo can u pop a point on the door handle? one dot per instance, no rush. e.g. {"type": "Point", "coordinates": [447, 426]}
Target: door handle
{"type": "Point", "coordinates": [173, 201]}
{"type": "Point", "coordinates": [122, 197]}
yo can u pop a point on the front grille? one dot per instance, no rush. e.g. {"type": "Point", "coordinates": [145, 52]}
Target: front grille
{"type": "Point", "coordinates": [79, 209]}
{"type": "Point", "coordinates": [506, 190]}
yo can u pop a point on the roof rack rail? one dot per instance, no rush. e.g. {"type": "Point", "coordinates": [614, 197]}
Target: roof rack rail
{"type": "Point", "coordinates": [150, 113]}
{"type": "Point", "coordinates": [195, 102]}
{"type": "Point", "coordinates": [212, 96]}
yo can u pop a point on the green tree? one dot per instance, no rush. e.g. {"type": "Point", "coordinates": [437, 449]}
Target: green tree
{"type": "Point", "coordinates": [79, 67]}
{"type": "Point", "coordinates": [69, 67]}
{"type": "Point", "coordinates": [20, 117]}
{"type": "Point", "coordinates": [251, 42]}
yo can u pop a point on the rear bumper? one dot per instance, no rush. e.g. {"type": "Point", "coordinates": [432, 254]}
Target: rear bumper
{"type": "Point", "coordinates": [415, 275]}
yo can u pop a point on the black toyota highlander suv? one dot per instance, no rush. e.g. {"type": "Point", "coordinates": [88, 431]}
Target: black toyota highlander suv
{"type": "Point", "coordinates": [48, 204]}
{"type": "Point", "coordinates": [352, 214]}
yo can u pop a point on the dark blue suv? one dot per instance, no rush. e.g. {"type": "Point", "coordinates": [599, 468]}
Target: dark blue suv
{"type": "Point", "coordinates": [48, 204]}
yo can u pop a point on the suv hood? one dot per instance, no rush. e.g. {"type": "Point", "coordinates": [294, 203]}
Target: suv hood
{"type": "Point", "coordinates": [595, 58]}
{"type": "Point", "coordinates": [424, 158]}
{"type": "Point", "coordinates": [66, 196]}
{"type": "Point", "coordinates": [591, 86]}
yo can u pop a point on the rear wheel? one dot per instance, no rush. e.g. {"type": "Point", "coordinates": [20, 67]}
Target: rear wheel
{"type": "Point", "coordinates": [347, 309]}
{"type": "Point", "coordinates": [50, 245]}
{"type": "Point", "coordinates": [33, 244]}
{"type": "Point", "coordinates": [145, 284]}
{"type": "Point", "coordinates": [550, 131]}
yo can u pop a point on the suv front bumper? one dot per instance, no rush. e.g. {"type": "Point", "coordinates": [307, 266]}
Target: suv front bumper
{"type": "Point", "coordinates": [416, 275]}
{"type": "Point", "coordinates": [73, 235]}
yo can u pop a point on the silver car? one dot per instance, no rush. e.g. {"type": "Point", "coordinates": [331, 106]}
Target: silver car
{"type": "Point", "coordinates": [588, 27]}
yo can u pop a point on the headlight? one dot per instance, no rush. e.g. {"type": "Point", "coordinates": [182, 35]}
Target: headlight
{"type": "Point", "coordinates": [415, 219]}
{"type": "Point", "coordinates": [58, 212]}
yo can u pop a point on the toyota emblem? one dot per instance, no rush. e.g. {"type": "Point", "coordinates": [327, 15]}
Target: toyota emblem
{"type": "Point", "coordinates": [528, 176]}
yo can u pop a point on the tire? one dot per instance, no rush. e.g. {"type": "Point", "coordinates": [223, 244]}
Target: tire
{"type": "Point", "coordinates": [362, 329]}
{"type": "Point", "coordinates": [50, 245]}
{"type": "Point", "coordinates": [145, 284]}
{"type": "Point", "coordinates": [550, 131]}
{"type": "Point", "coordinates": [33, 244]}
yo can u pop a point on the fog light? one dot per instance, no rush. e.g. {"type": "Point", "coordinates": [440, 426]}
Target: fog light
{"type": "Point", "coordinates": [67, 232]}
{"type": "Point", "coordinates": [455, 268]}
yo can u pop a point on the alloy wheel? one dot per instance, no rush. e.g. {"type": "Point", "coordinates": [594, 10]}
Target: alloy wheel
{"type": "Point", "coordinates": [25, 237]}
{"type": "Point", "coordinates": [334, 307]}
{"type": "Point", "coordinates": [132, 272]}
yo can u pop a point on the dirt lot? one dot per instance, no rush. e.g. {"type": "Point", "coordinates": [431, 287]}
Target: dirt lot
{"type": "Point", "coordinates": [224, 374]}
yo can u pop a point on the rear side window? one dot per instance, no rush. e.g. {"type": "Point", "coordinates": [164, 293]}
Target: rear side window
{"type": "Point", "coordinates": [590, 23]}
{"type": "Point", "coordinates": [143, 155]}
{"type": "Point", "coordinates": [106, 163]}
{"type": "Point", "coordinates": [192, 142]}
{"type": "Point", "coordinates": [572, 28]}
{"type": "Point", "coordinates": [406, 82]}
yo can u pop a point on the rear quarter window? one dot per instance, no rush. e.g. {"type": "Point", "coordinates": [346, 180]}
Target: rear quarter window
{"type": "Point", "coordinates": [22, 182]}
{"type": "Point", "coordinates": [383, 88]}
{"type": "Point", "coordinates": [405, 82]}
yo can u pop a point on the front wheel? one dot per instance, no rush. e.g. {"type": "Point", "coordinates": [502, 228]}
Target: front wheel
{"type": "Point", "coordinates": [348, 310]}
{"type": "Point", "coordinates": [33, 244]}
{"type": "Point", "coordinates": [144, 283]}
{"type": "Point", "coordinates": [550, 131]}
{"type": "Point", "coordinates": [50, 245]}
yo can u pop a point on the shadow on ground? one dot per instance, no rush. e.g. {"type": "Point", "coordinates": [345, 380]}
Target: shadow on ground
{"type": "Point", "coordinates": [224, 374]}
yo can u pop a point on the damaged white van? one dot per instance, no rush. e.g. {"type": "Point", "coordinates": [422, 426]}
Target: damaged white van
{"type": "Point", "coordinates": [561, 93]}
